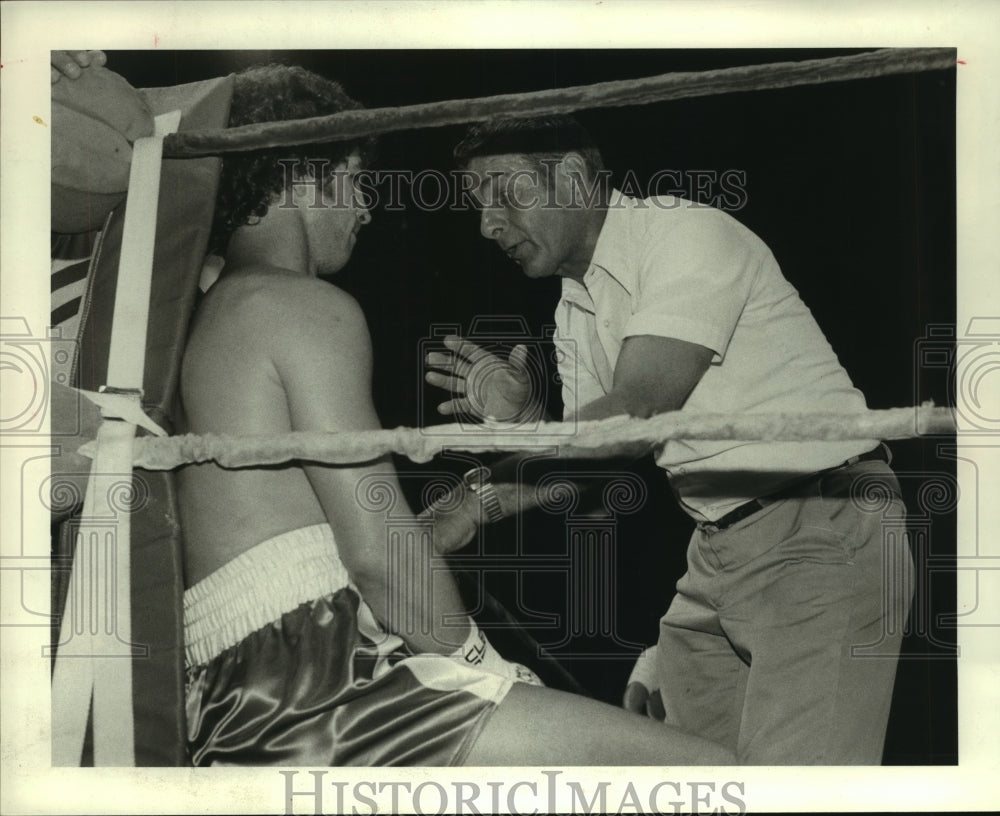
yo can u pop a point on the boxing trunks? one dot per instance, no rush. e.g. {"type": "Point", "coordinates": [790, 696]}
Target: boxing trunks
{"type": "Point", "coordinates": [287, 665]}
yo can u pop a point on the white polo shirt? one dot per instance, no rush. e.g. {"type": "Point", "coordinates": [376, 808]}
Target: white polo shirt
{"type": "Point", "coordinates": [671, 268]}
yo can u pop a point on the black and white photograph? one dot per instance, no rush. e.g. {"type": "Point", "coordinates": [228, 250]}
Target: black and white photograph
{"type": "Point", "coordinates": [474, 411]}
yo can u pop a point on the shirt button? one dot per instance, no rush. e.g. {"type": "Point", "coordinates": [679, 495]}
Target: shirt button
{"type": "Point", "coordinates": [607, 323]}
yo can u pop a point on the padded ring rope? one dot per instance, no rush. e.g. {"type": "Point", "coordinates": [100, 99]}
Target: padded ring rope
{"type": "Point", "coordinates": [422, 444]}
{"type": "Point", "coordinates": [662, 88]}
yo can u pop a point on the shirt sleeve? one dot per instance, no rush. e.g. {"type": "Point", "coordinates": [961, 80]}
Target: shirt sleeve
{"type": "Point", "coordinates": [696, 269]}
{"type": "Point", "coordinates": [580, 385]}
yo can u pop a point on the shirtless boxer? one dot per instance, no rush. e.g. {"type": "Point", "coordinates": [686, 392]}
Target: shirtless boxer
{"type": "Point", "coordinates": [297, 649]}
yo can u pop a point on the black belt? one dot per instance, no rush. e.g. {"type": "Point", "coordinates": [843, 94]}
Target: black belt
{"type": "Point", "coordinates": [881, 453]}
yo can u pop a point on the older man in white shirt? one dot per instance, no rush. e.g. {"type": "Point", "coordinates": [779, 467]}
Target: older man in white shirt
{"type": "Point", "coordinates": [672, 305]}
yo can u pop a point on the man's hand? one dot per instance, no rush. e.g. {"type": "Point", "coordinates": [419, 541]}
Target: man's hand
{"type": "Point", "coordinates": [455, 521]}
{"type": "Point", "coordinates": [492, 388]}
{"type": "Point", "coordinates": [642, 694]}
{"type": "Point", "coordinates": [69, 64]}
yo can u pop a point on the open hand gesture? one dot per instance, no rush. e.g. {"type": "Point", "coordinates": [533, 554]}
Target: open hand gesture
{"type": "Point", "coordinates": [489, 387]}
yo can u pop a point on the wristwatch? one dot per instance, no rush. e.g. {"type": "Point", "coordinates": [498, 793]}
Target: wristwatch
{"type": "Point", "coordinates": [478, 481]}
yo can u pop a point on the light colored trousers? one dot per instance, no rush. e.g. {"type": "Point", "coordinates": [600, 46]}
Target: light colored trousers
{"type": "Point", "coordinates": [783, 638]}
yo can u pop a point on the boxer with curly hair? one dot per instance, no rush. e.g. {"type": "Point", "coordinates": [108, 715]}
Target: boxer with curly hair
{"type": "Point", "coordinates": [313, 636]}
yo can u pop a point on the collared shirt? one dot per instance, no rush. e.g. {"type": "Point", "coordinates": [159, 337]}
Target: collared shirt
{"type": "Point", "coordinates": [671, 268]}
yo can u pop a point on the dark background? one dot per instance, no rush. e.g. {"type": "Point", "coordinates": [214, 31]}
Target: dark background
{"type": "Point", "coordinates": [852, 185]}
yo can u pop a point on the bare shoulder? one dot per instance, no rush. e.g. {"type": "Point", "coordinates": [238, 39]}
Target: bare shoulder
{"type": "Point", "coordinates": [274, 293]}
{"type": "Point", "coordinates": [278, 307]}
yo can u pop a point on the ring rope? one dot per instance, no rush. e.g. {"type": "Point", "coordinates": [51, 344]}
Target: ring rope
{"type": "Point", "coordinates": [662, 88]}
{"type": "Point", "coordinates": [422, 444]}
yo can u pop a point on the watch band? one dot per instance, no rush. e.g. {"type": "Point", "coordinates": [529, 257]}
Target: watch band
{"type": "Point", "coordinates": [478, 481]}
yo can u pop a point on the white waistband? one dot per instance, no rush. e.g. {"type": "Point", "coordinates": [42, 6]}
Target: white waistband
{"type": "Point", "coordinates": [258, 587]}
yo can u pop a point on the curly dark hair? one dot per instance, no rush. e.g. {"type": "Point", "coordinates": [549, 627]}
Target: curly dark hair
{"type": "Point", "coordinates": [250, 180]}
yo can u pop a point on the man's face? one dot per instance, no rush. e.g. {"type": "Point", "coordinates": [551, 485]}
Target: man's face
{"type": "Point", "coordinates": [332, 229]}
{"type": "Point", "coordinates": [524, 210]}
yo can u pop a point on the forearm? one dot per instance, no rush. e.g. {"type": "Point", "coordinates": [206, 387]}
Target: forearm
{"type": "Point", "coordinates": [623, 402]}
{"type": "Point", "coordinates": [519, 488]}
{"type": "Point", "coordinates": [390, 557]}
{"type": "Point", "coordinates": [413, 593]}
{"type": "Point", "coordinates": [653, 375]}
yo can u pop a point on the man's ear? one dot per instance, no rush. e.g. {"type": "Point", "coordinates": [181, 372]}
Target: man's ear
{"type": "Point", "coordinates": [574, 176]}
{"type": "Point", "coordinates": [573, 163]}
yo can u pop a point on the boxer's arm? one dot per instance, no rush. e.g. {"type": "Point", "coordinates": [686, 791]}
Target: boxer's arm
{"type": "Point", "coordinates": [323, 356]}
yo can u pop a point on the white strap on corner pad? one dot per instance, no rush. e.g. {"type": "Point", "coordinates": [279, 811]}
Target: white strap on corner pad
{"type": "Point", "coordinates": [94, 657]}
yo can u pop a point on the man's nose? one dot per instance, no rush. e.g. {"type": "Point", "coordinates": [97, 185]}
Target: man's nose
{"type": "Point", "coordinates": [491, 223]}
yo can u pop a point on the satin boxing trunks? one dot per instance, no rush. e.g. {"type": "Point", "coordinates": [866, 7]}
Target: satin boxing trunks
{"type": "Point", "coordinates": [287, 665]}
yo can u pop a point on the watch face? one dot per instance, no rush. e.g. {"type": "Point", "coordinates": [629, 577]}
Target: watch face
{"type": "Point", "coordinates": [475, 478]}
